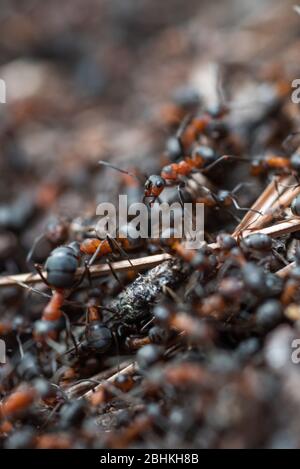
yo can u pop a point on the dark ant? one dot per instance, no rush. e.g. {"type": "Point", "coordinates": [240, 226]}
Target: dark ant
{"type": "Point", "coordinates": [61, 267]}
{"type": "Point", "coordinates": [98, 337]}
{"type": "Point", "coordinates": [260, 243]}
{"type": "Point", "coordinates": [257, 242]}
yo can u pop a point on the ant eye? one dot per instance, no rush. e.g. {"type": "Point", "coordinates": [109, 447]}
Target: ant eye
{"type": "Point", "coordinates": [159, 184]}
{"type": "Point", "coordinates": [147, 184]}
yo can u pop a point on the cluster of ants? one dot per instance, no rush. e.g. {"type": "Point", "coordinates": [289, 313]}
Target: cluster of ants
{"type": "Point", "coordinates": [175, 336]}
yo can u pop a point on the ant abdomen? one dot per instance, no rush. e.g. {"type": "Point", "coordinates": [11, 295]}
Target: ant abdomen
{"type": "Point", "coordinates": [61, 266]}
{"type": "Point", "coordinates": [98, 337]}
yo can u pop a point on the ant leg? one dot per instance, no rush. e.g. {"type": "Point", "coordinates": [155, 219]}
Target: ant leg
{"type": "Point", "coordinates": [95, 255]}
{"type": "Point", "coordinates": [115, 245]}
{"type": "Point", "coordinates": [117, 349]}
{"type": "Point", "coordinates": [114, 273]}
{"type": "Point", "coordinates": [70, 333]}
{"type": "Point", "coordinates": [182, 127]}
{"type": "Point", "coordinates": [279, 257]}
{"type": "Point", "coordinates": [244, 209]}
{"type": "Point", "coordinates": [236, 218]}
{"type": "Point", "coordinates": [167, 290]}
{"type": "Point", "coordinates": [20, 345]}
{"type": "Point", "coordinates": [88, 273]}
{"type": "Point", "coordinates": [240, 186]}
{"type": "Point", "coordinates": [224, 158]}
{"type": "Point", "coordinates": [85, 272]}
{"type": "Point", "coordinates": [35, 243]}
{"type": "Point", "coordinates": [40, 272]}
{"type": "Point", "coordinates": [180, 188]}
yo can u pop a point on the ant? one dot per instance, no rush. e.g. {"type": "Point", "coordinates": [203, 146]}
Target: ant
{"type": "Point", "coordinates": [98, 248]}
{"type": "Point", "coordinates": [225, 199]}
{"type": "Point", "coordinates": [61, 267]}
{"type": "Point", "coordinates": [256, 244]}
{"type": "Point", "coordinates": [203, 159]}
{"type": "Point", "coordinates": [204, 124]}
{"type": "Point", "coordinates": [97, 336]}
{"type": "Point", "coordinates": [280, 164]}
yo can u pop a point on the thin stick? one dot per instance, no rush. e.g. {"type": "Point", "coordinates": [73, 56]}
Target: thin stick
{"type": "Point", "coordinates": [284, 272]}
{"type": "Point", "coordinates": [284, 227]}
{"type": "Point", "coordinates": [142, 263]}
{"type": "Point", "coordinates": [283, 202]}
{"type": "Point", "coordinates": [130, 369]}
{"type": "Point", "coordinates": [262, 204]}
{"type": "Point", "coordinates": [81, 386]}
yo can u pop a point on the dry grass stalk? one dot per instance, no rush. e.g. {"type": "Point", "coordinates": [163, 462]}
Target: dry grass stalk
{"type": "Point", "coordinates": [130, 369]}
{"type": "Point", "coordinates": [263, 204]}
{"type": "Point", "coordinates": [142, 263]}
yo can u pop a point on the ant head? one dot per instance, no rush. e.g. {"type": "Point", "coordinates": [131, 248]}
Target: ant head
{"type": "Point", "coordinates": [224, 197]}
{"type": "Point", "coordinates": [98, 337]}
{"type": "Point", "coordinates": [154, 186]}
{"type": "Point", "coordinates": [206, 153]}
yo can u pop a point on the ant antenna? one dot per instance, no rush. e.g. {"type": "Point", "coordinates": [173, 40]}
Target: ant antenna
{"type": "Point", "coordinates": [109, 165]}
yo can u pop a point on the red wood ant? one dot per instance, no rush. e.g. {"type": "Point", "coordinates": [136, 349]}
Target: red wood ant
{"type": "Point", "coordinates": [280, 164]}
{"type": "Point", "coordinates": [203, 124]}
{"type": "Point", "coordinates": [203, 159]}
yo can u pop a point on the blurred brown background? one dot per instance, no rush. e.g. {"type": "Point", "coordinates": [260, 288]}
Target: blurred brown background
{"type": "Point", "coordinates": [88, 79]}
